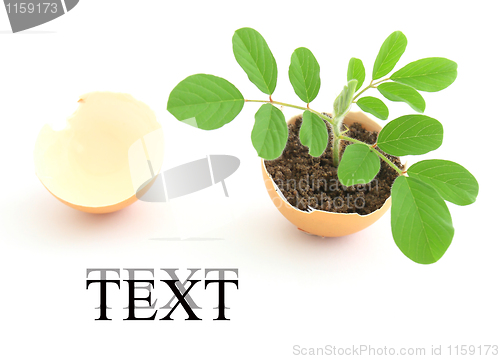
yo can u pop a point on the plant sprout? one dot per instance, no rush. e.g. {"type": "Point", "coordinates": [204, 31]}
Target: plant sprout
{"type": "Point", "coordinates": [421, 223]}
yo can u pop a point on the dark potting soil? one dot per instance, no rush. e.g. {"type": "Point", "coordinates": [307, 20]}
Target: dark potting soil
{"type": "Point", "coordinates": [312, 182]}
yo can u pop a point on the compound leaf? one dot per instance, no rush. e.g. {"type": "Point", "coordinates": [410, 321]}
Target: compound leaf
{"type": "Point", "coordinates": [402, 93]}
{"type": "Point", "coordinates": [389, 54]}
{"type": "Point", "coordinates": [452, 181]}
{"type": "Point", "coordinates": [374, 106]}
{"type": "Point", "coordinates": [205, 101]}
{"type": "Point", "coordinates": [254, 56]}
{"type": "Point", "coordinates": [270, 132]}
{"type": "Point", "coordinates": [421, 222]}
{"type": "Point", "coordinates": [313, 133]}
{"type": "Point", "coordinates": [430, 74]}
{"type": "Point", "coordinates": [356, 71]}
{"type": "Point", "coordinates": [411, 135]}
{"type": "Point", "coordinates": [304, 74]}
{"type": "Point", "coordinates": [359, 165]}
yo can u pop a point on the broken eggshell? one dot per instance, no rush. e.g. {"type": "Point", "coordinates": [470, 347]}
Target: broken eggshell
{"type": "Point", "coordinates": [322, 223]}
{"type": "Point", "coordinates": [111, 146]}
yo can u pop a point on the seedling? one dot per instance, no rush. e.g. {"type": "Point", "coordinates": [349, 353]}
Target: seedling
{"type": "Point", "coordinates": [421, 223]}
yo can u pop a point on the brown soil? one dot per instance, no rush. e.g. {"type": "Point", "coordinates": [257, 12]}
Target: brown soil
{"type": "Point", "coordinates": [312, 182]}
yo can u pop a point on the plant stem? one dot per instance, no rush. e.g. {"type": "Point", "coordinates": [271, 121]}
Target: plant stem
{"type": "Point", "coordinates": [338, 124]}
{"type": "Point", "coordinates": [338, 136]}
{"type": "Point", "coordinates": [371, 85]}
{"type": "Point", "coordinates": [336, 151]}
{"type": "Point", "coordinates": [373, 149]}
{"type": "Point", "coordinates": [326, 118]}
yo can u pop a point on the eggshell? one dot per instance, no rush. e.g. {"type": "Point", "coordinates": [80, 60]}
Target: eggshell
{"type": "Point", "coordinates": [110, 148]}
{"type": "Point", "coordinates": [322, 223]}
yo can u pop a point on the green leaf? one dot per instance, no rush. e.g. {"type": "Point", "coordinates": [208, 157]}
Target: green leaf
{"type": "Point", "coordinates": [411, 135]}
{"type": "Point", "coordinates": [270, 132]}
{"type": "Point", "coordinates": [402, 93]}
{"type": "Point", "coordinates": [421, 223]}
{"type": "Point", "coordinates": [205, 101]}
{"type": "Point", "coordinates": [389, 54]}
{"type": "Point", "coordinates": [342, 103]}
{"type": "Point", "coordinates": [359, 165]}
{"type": "Point", "coordinates": [430, 74]}
{"type": "Point", "coordinates": [304, 74]}
{"type": "Point", "coordinates": [374, 106]}
{"type": "Point", "coordinates": [356, 71]}
{"type": "Point", "coordinates": [452, 181]}
{"type": "Point", "coordinates": [254, 56]}
{"type": "Point", "coordinates": [313, 133]}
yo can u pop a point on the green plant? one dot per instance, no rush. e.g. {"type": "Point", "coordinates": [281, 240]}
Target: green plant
{"type": "Point", "coordinates": [421, 223]}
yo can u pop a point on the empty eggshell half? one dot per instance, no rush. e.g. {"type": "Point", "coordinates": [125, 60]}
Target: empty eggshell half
{"type": "Point", "coordinates": [111, 146]}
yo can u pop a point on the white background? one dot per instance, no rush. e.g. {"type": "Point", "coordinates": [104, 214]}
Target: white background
{"type": "Point", "coordinates": [294, 289]}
